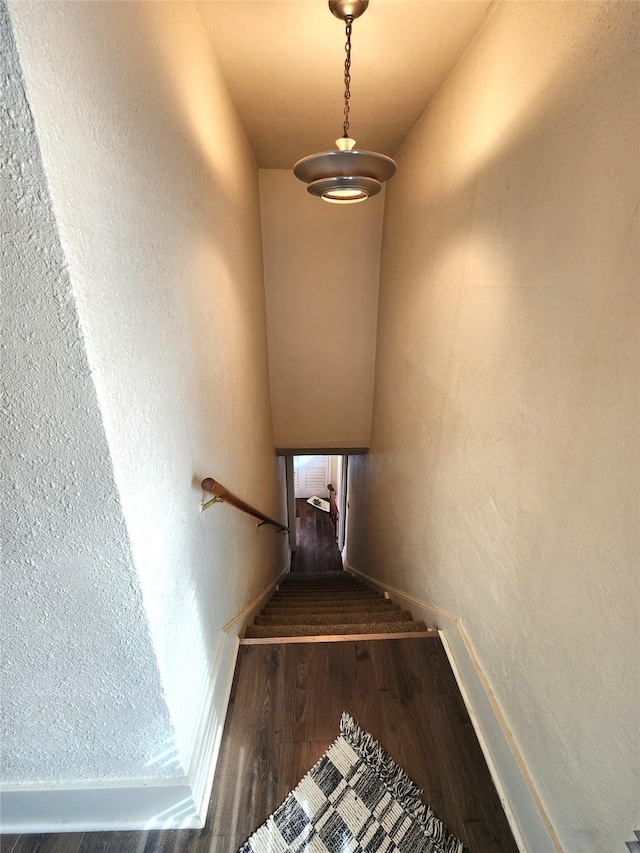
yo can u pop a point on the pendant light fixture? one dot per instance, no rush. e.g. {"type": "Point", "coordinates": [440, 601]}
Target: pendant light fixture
{"type": "Point", "coordinates": [346, 175]}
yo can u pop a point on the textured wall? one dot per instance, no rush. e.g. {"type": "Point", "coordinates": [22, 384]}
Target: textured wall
{"type": "Point", "coordinates": [321, 267]}
{"type": "Point", "coordinates": [502, 482]}
{"type": "Point", "coordinates": [81, 692]}
{"type": "Point", "coordinates": [156, 195]}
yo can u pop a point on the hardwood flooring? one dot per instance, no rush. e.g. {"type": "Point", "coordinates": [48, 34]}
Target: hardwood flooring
{"type": "Point", "coordinates": [317, 547]}
{"type": "Point", "coordinates": [285, 709]}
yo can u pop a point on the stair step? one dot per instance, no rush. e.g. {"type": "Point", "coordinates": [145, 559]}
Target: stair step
{"type": "Point", "coordinates": [326, 593]}
{"type": "Point", "coordinates": [328, 607]}
{"type": "Point", "coordinates": [321, 601]}
{"type": "Point", "coordinates": [289, 592]}
{"type": "Point", "coordinates": [336, 596]}
{"type": "Point", "coordinates": [303, 588]}
{"type": "Point", "coordinates": [313, 582]}
{"type": "Point", "coordinates": [264, 631]}
{"type": "Point", "coordinates": [305, 576]}
{"type": "Point", "coordinates": [355, 596]}
{"type": "Point", "coordinates": [335, 618]}
{"type": "Point", "coordinates": [636, 832]}
{"type": "Point", "coordinates": [634, 846]}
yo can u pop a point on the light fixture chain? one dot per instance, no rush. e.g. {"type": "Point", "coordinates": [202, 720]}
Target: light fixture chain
{"type": "Point", "coordinates": [347, 75]}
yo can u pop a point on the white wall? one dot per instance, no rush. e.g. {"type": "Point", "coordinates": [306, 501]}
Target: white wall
{"type": "Point", "coordinates": [78, 663]}
{"type": "Point", "coordinates": [502, 480]}
{"type": "Point", "coordinates": [155, 190]}
{"type": "Point", "coordinates": [321, 266]}
{"type": "Point", "coordinates": [334, 471]}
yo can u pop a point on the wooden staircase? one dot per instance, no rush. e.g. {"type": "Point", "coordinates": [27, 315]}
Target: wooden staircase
{"type": "Point", "coordinates": [329, 606]}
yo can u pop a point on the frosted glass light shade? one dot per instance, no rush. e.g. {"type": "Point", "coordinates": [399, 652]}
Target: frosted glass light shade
{"type": "Point", "coordinates": [345, 177]}
{"type": "Point", "coordinates": [345, 189]}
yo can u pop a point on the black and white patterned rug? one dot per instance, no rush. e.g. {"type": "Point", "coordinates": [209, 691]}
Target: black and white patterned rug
{"type": "Point", "coordinates": [355, 800]}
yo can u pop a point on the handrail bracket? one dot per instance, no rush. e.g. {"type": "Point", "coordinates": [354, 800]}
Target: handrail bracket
{"type": "Point", "coordinates": [216, 500]}
{"type": "Point", "coordinates": [282, 529]}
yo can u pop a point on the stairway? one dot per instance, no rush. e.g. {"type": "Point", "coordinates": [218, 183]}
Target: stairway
{"type": "Point", "coordinates": [329, 604]}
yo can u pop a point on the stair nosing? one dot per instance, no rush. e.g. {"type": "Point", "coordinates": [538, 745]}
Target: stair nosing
{"type": "Point", "coordinates": [370, 616]}
{"type": "Point", "coordinates": [300, 608]}
{"type": "Point", "coordinates": [337, 627]}
{"type": "Point", "coordinates": [340, 638]}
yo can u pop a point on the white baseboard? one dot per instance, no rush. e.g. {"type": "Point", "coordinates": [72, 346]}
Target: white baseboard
{"type": "Point", "coordinates": [529, 822]}
{"type": "Point", "coordinates": [132, 804]}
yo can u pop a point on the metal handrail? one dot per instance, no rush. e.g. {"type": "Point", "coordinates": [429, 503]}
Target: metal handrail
{"type": "Point", "coordinates": [223, 495]}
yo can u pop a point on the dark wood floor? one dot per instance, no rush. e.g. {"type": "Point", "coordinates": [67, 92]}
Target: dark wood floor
{"type": "Point", "coordinates": [317, 547]}
{"type": "Point", "coordinates": [285, 709]}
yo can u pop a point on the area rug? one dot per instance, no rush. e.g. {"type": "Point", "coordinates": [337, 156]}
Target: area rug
{"type": "Point", "coordinates": [355, 800]}
{"type": "Point", "coordinates": [319, 503]}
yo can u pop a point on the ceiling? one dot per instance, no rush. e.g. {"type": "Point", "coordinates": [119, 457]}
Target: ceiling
{"type": "Point", "coordinates": [283, 61]}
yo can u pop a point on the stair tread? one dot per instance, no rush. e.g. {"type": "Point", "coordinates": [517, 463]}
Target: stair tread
{"type": "Point", "coordinates": [324, 592]}
{"type": "Point", "coordinates": [331, 597]}
{"type": "Point", "coordinates": [335, 618]}
{"type": "Point", "coordinates": [320, 579]}
{"type": "Point", "coordinates": [256, 631]}
{"type": "Point", "coordinates": [337, 600]}
{"type": "Point", "coordinates": [335, 607]}
{"type": "Point", "coordinates": [634, 846]}
{"type": "Point", "coordinates": [294, 577]}
{"type": "Point", "coordinates": [338, 596]}
{"type": "Point", "coordinates": [306, 593]}
{"type": "Point", "coordinates": [322, 598]}
{"type": "Point", "coordinates": [332, 573]}
{"type": "Point", "coordinates": [303, 587]}
{"type": "Point", "coordinates": [315, 585]}
{"type": "Point", "coordinates": [327, 600]}
{"type": "Point", "coordinates": [322, 582]}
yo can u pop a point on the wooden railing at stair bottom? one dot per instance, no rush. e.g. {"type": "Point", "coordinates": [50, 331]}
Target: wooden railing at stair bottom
{"type": "Point", "coordinates": [222, 494]}
{"type": "Point", "coordinates": [333, 508]}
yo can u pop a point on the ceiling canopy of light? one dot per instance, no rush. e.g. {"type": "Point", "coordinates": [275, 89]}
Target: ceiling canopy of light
{"type": "Point", "coordinates": [346, 175]}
